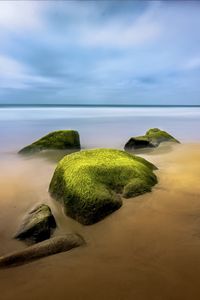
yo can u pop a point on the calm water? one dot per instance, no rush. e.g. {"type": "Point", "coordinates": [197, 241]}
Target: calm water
{"type": "Point", "coordinates": [98, 127]}
{"type": "Point", "coordinates": [148, 249]}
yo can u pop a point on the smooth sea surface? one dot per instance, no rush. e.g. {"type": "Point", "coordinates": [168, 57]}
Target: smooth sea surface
{"type": "Point", "coordinates": [148, 249]}
{"type": "Point", "coordinates": [98, 126]}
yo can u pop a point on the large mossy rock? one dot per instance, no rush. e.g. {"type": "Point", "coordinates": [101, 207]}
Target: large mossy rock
{"type": "Point", "coordinates": [90, 183]}
{"type": "Point", "coordinates": [152, 138]}
{"type": "Point", "coordinates": [38, 225]}
{"type": "Point", "coordinates": [56, 140]}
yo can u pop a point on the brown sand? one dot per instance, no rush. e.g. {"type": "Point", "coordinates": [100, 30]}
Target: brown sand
{"type": "Point", "coordinates": [148, 249]}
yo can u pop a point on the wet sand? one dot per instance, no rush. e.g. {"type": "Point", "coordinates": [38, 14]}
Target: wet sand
{"type": "Point", "coordinates": [148, 249]}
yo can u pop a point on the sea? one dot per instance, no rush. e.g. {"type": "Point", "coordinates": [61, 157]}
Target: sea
{"type": "Point", "coordinates": [98, 126]}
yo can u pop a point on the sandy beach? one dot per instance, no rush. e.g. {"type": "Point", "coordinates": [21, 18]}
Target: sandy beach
{"type": "Point", "coordinates": [148, 249]}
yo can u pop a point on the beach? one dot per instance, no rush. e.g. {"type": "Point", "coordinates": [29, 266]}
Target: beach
{"type": "Point", "coordinates": [148, 249]}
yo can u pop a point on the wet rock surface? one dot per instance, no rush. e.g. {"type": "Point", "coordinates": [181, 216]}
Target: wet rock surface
{"type": "Point", "coordinates": [38, 225]}
{"type": "Point", "coordinates": [49, 247]}
{"type": "Point", "coordinates": [151, 139]}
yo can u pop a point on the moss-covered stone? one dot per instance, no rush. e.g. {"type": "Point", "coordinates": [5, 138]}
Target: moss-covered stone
{"type": "Point", "coordinates": [152, 138]}
{"type": "Point", "coordinates": [38, 225]}
{"type": "Point", "coordinates": [90, 182]}
{"type": "Point", "coordinates": [56, 140]}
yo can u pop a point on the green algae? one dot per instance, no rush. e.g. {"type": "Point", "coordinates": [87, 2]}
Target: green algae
{"type": "Point", "coordinates": [155, 135]}
{"type": "Point", "coordinates": [56, 140]}
{"type": "Point", "coordinates": [136, 187]}
{"type": "Point", "coordinates": [90, 183]}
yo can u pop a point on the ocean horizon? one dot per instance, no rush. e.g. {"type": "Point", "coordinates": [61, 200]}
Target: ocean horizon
{"type": "Point", "coordinates": [97, 105]}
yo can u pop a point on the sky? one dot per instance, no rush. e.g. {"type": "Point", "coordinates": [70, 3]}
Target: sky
{"type": "Point", "coordinates": [100, 52]}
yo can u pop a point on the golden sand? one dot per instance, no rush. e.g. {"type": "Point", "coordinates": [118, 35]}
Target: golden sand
{"type": "Point", "coordinates": [148, 249]}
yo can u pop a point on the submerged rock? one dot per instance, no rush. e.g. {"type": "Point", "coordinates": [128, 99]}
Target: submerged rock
{"type": "Point", "coordinates": [90, 182]}
{"type": "Point", "coordinates": [152, 138]}
{"type": "Point", "coordinates": [56, 140]}
{"type": "Point", "coordinates": [38, 225]}
{"type": "Point", "coordinates": [49, 247]}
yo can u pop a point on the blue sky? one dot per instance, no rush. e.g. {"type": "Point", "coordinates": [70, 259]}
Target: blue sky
{"type": "Point", "coordinates": [100, 52]}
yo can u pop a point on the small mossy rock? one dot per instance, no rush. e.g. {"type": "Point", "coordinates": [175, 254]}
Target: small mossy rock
{"type": "Point", "coordinates": [38, 225]}
{"type": "Point", "coordinates": [56, 140]}
{"type": "Point", "coordinates": [157, 136]}
{"type": "Point", "coordinates": [90, 182]}
{"type": "Point", "coordinates": [152, 138]}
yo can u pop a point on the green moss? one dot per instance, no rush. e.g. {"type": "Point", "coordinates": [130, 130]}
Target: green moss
{"type": "Point", "coordinates": [152, 138]}
{"type": "Point", "coordinates": [155, 135]}
{"type": "Point", "coordinates": [136, 187]}
{"type": "Point", "coordinates": [57, 140]}
{"type": "Point", "coordinates": [90, 182]}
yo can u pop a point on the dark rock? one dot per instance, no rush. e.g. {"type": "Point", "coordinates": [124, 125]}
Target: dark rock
{"type": "Point", "coordinates": [49, 247]}
{"type": "Point", "coordinates": [138, 143]}
{"type": "Point", "coordinates": [152, 138]}
{"type": "Point", "coordinates": [38, 225]}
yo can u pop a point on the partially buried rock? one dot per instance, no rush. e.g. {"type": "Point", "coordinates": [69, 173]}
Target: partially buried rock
{"type": "Point", "coordinates": [52, 246]}
{"type": "Point", "coordinates": [90, 183]}
{"type": "Point", "coordinates": [152, 138]}
{"type": "Point", "coordinates": [56, 140]}
{"type": "Point", "coordinates": [38, 225]}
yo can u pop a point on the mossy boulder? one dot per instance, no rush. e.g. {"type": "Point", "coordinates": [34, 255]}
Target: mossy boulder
{"type": "Point", "coordinates": [152, 138]}
{"type": "Point", "coordinates": [90, 183]}
{"type": "Point", "coordinates": [56, 140]}
{"type": "Point", "coordinates": [38, 225]}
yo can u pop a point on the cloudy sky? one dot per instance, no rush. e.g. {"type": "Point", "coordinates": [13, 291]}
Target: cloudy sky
{"type": "Point", "coordinates": [100, 52]}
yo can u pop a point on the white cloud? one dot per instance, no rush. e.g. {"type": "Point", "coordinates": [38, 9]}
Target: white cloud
{"type": "Point", "coordinates": [116, 35]}
{"type": "Point", "coordinates": [11, 73]}
{"type": "Point", "coordinates": [17, 75]}
{"type": "Point", "coordinates": [23, 15]}
{"type": "Point", "coordinates": [193, 63]}
{"type": "Point", "coordinates": [120, 33]}
{"type": "Point", "coordinates": [9, 66]}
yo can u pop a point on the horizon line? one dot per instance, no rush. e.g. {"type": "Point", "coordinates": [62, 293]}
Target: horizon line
{"type": "Point", "coordinates": [99, 105]}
